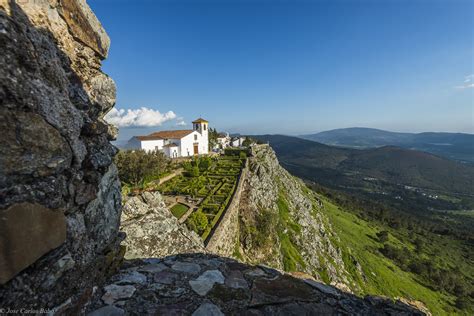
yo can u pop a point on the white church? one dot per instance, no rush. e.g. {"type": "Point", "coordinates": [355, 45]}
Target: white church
{"type": "Point", "coordinates": [176, 143]}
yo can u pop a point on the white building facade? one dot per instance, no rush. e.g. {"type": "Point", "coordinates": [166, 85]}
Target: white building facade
{"type": "Point", "coordinates": [223, 141]}
{"type": "Point", "coordinates": [237, 141]}
{"type": "Point", "coordinates": [177, 143]}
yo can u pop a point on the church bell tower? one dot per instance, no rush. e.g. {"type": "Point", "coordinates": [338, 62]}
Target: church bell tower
{"type": "Point", "coordinates": [202, 126]}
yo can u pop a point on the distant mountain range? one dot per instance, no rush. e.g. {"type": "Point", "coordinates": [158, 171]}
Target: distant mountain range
{"type": "Point", "coordinates": [416, 179]}
{"type": "Point", "coordinates": [456, 146]}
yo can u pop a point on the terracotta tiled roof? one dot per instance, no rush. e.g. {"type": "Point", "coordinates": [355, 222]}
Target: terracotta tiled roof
{"type": "Point", "coordinates": [171, 145]}
{"type": "Point", "coordinates": [200, 120]}
{"type": "Point", "coordinates": [148, 137]}
{"type": "Point", "coordinates": [177, 134]}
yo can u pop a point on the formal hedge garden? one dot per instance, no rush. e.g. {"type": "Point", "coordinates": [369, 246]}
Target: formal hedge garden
{"type": "Point", "coordinates": [214, 181]}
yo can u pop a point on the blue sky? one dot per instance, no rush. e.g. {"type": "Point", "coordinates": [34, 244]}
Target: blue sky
{"type": "Point", "coordinates": [291, 67]}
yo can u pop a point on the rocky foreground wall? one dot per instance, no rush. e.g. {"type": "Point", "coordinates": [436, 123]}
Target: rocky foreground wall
{"type": "Point", "coordinates": [59, 190]}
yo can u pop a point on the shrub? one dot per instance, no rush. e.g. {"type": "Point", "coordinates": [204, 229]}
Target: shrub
{"type": "Point", "coordinates": [233, 151]}
{"type": "Point", "coordinates": [194, 171]}
{"type": "Point", "coordinates": [383, 236]}
{"type": "Point", "coordinates": [198, 222]}
{"type": "Point", "coordinates": [242, 155]}
{"type": "Point", "coordinates": [135, 166]}
{"type": "Point", "coordinates": [204, 163]}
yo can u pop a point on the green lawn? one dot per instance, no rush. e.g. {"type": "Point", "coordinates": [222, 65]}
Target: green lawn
{"type": "Point", "coordinates": [179, 210]}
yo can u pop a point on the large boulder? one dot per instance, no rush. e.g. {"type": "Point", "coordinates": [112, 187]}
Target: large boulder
{"type": "Point", "coordinates": [152, 231]}
{"type": "Point", "coordinates": [59, 190]}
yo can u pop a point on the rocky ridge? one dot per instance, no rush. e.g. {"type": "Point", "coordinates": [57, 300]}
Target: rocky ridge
{"type": "Point", "coordinates": [280, 204]}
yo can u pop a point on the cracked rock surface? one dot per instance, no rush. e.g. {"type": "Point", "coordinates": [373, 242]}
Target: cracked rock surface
{"type": "Point", "coordinates": [223, 286]}
{"type": "Point", "coordinates": [152, 231]}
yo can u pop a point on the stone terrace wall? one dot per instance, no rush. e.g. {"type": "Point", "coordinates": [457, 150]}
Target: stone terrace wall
{"type": "Point", "coordinates": [59, 190]}
{"type": "Point", "coordinates": [225, 236]}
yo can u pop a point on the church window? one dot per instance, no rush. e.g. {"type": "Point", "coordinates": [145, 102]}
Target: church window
{"type": "Point", "coordinates": [195, 137]}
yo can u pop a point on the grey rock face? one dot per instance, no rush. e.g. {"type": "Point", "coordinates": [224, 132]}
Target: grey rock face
{"type": "Point", "coordinates": [152, 231]}
{"type": "Point", "coordinates": [55, 154]}
{"type": "Point", "coordinates": [266, 182]}
{"type": "Point", "coordinates": [116, 292]}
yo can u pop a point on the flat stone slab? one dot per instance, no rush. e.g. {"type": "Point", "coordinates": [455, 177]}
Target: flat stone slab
{"type": "Point", "coordinates": [132, 278]}
{"type": "Point", "coordinates": [204, 283]}
{"type": "Point", "coordinates": [282, 289]}
{"type": "Point", "coordinates": [109, 310]}
{"type": "Point", "coordinates": [115, 292]}
{"type": "Point", "coordinates": [323, 287]}
{"type": "Point", "coordinates": [27, 232]}
{"type": "Point", "coordinates": [165, 277]}
{"type": "Point", "coordinates": [186, 267]}
{"type": "Point", "coordinates": [236, 280]}
{"type": "Point", "coordinates": [153, 268]}
{"type": "Point", "coordinates": [208, 309]}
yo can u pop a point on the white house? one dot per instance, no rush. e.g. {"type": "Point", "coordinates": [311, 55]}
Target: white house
{"type": "Point", "coordinates": [176, 143]}
{"type": "Point", "coordinates": [237, 141]}
{"type": "Point", "coordinates": [223, 140]}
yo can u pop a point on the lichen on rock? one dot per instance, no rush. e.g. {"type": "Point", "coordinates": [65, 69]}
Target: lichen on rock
{"type": "Point", "coordinates": [152, 231]}
{"type": "Point", "coordinates": [52, 95]}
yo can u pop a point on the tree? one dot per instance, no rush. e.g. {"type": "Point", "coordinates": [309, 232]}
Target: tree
{"type": "Point", "coordinates": [418, 244]}
{"type": "Point", "coordinates": [213, 134]}
{"type": "Point", "coordinates": [247, 142]}
{"type": "Point", "coordinates": [137, 166]}
{"type": "Point", "coordinates": [383, 236]}
{"type": "Point", "coordinates": [204, 163]}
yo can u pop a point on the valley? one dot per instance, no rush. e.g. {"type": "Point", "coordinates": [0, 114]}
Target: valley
{"type": "Point", "coordinates": [422, 236]}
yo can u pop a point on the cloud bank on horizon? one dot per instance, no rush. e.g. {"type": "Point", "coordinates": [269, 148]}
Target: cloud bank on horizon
{"type": "Point", "coordinates": [142, 117]}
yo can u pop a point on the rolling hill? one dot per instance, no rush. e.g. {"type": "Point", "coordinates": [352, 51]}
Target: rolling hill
{"type": "Point", "coordinates": [410, 180]}
{"type": "Point", "coordinates": [457, 146]}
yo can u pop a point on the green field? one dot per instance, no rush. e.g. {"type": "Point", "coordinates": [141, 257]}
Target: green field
{"type": "Point", "coordinates": [179, 210]}
{"type": "Point", "coordinates": [214, 181]}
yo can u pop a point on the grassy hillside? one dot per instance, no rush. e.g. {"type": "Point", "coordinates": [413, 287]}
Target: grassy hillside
{"type": "Point", "coordinates": [360, 239]}
{"type": "Point", "coordinates": [408, 180]}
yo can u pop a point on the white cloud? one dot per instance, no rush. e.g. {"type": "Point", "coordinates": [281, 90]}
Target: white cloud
{"type": "Point", "coordinates": [180, 121]}
{"type": "Point", "coordinates": [468, 82]}
{"type": "Point", "coordinates": [138, 117]}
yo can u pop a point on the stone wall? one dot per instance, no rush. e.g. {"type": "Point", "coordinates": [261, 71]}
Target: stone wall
{"type": "Point", "coordinates": [59, 190]}
{"type": "Point", "coordinates": [226, 235]}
